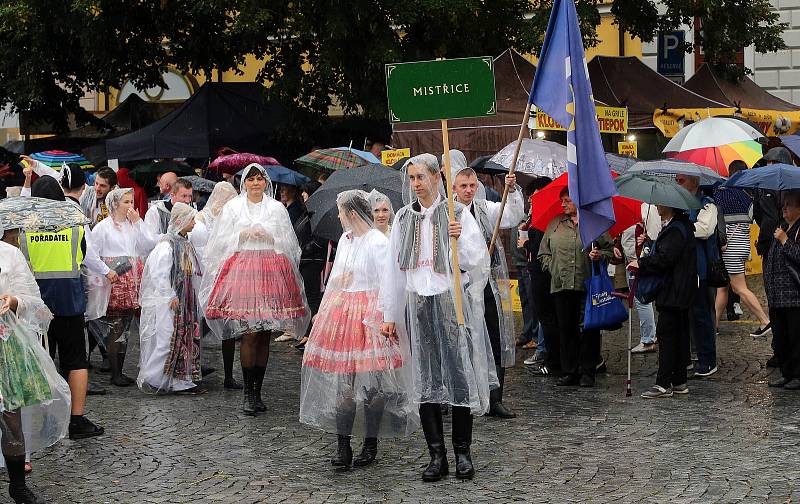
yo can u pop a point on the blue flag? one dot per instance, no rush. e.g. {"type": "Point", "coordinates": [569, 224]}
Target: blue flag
{"type": "Point", "coordinates": [562, 90]}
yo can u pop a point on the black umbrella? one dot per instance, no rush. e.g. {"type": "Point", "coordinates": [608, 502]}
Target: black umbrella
{"type": "Point", "coordinates": [322, 204]}
{"type": "Point", "coordinates": [484, 164]}
{"type": "Point", "coordinates": [145, 174]}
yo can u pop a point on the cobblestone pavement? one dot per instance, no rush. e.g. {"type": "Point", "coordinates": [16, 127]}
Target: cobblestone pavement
{"type": "Point", "coordinates": [730, 440]}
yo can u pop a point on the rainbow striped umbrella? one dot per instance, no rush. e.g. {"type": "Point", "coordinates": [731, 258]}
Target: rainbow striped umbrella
{"type": "Point", "coordinates": [55, 158]}
{"type": "Point", "coordinates": [715, 142]}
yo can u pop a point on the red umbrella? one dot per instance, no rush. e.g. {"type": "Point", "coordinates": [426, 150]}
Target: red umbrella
{"type": "Point", "coordinates": [232, 163]}
{"type": "Point", "coordinates": [546, 206]}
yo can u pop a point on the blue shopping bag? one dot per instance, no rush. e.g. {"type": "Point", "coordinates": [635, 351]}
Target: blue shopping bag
{"type": "Point", "coordinates": [603, 309]}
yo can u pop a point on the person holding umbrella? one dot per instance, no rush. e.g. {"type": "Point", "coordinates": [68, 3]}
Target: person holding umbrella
{"type": "Point", "coordinates": [348, 366]}
{"type": "Point", "coordinates": [782, 283]}
{"type": "Point", "coordinates": [674, 260]}
{"type": "Point", "coordinates": [422, 303]}
{"type": "Point", "coordinates": [252, 286]}
{"type": "Point", "coordinates": [497, 295]}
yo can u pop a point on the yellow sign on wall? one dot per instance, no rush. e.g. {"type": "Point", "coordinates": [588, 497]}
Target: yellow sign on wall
{"type": "Point", "coordinates": [390, 157]}
{"type": "Point", "coordinates": [609, 119]}
{"type": "Point", "coordinates": [671, 121]}
{"type": "Point", "coordinates": [627, 148]}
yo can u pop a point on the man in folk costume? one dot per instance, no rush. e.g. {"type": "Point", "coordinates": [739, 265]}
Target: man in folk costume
{"type": "Point", "coordinates": [451, 357]}
{"type": "Point", "coordinates": [157, 217]}
{"type": "Point", "coordinates": [497, 294]}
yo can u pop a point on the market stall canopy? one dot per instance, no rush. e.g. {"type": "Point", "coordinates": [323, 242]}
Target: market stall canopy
{"type": "Point", "coordinates": [235, 114]}
{"type": "Point", "coordinates": [625, 81]}
{"type": "Point", "coordinates": [513, 76]}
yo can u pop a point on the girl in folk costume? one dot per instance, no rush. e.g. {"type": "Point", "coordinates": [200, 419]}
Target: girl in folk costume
{"type": "Point", "coordinates": [348, 365]}
{"type": "Point", "coordinates": [451, 355]}
{"type": "Point", "coordinates": [34, 399]}
{"type": "Point", "coordinates": [169, 327]}
{"type": "Point", "coordinates": [497, 309]}
{"type": "Point", "coordinates": [205, 220]}
{"type": "Point", "coordinates": [251, 286]}
{"type": "Point", "coordinates": [122, 241]}
{"type": "Point", "coordinates": [382, 212]}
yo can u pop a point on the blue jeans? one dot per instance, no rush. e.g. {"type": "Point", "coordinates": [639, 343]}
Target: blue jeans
{"type": "Point", "coordinates": [702, 316]}
{"type": "Point", "coordinates": [647, 317]}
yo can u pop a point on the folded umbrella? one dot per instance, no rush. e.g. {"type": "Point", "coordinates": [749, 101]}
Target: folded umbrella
{"type": "Point", "coordinates": [546, 206]}
{"type": "Point", "coordinates": [656, 191]}
{"type": "Point", "coordinates": [232, 163]}
{"type": "Point", "coordinates": [39, 214]}
{"type": "Point", "coordinates": [674, 167]}
{"type": "Point", "coordinates": [774, 177]}
{"type": "Point", "coordinates": [322, 204]}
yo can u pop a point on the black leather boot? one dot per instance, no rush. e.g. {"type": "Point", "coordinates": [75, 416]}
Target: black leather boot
{"type": "Point", "coordinates": [344, 453]}
{"type": "Point", "coordinates": [430, 415]}
{"type": "Point", "coordinates": [248, 395]}
{"type": "Point", "coordinates": [462, 440]}
{"type": "Point", "coordinates": [368, 453]}
{"type": "Point", "coordinates": [258, 380]}
{"type": "Point", "coordinates": [496, 406]}
{"type": "Point", "coordinates": [21, 494]}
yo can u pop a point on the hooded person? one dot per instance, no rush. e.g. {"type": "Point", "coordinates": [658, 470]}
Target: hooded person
{"type": "Point", "coordinates": [251, 284]}
{"type": "Point", "coordinates": [451, 356]}
{"type": "Point", "coordinates": [497, 295]}
{"type": "Point", "coordinates": [157, 217]}
{"type": "Point", "coordinates": [205, 220]}
{"type": "Point", "coordinates": [123, 242]}
{"type": "Point", "coordinates": [169, 326]}
{"type": "Point", "coordinates": [354, 379]}
{"type": "Point", "coordinates": [382, 211]}
{"type": "Point", "coordinates": [35, 401]}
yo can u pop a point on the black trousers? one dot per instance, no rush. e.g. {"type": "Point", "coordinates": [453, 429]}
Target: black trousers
{"type": "Point", "coordinates": [672, 333]}
{"type": "Point", "coordinates": [311, 272]}
{"type": "Point", "coordinates": [786, 339]}
{"type": "Point", "coordinates": [67, 337]}
{"type": "Point", "coordinates": [546, 311]}
{"type": "Point", "coordinates": [580, 350]}
{"type": "Point", "coordinates": [492, 317]}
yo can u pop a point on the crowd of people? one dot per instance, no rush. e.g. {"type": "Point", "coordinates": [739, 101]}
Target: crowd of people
{"type": "Point", "coordinates": [408, 316]}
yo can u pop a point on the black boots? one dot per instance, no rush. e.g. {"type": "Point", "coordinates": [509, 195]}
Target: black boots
{"type": "Point", "coordinates": [21, 494]}
{"type": "Point", "coordinates": [496, 406]}
{"type": "Point", "coordinates": [430, 415]}
{"type": "Point", "coordinates": [258, 380]}
{"type": "Point", "coordinates": [368, 453]}
{"type": "Point", "coordinates": [248, 392]}
{"type": "Point", "coordinates": [344, 454]}
{"type": "Point", "coordinates": [462, 440]}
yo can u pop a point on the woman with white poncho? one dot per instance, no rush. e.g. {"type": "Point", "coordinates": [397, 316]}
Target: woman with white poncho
{"type": "Point", "coordinates": [382, 212]}
{"type": "Point", "coordinates": [123, 242]}
{"type": "Point", "coordinates": [169, 326]}
{"type": "Point", "coordinates": [205, 220]}
{"type": "Point", "coordinates": [252, 285]}
{"type": "Point", "coordinates": [354, 379]}
{"type": "Point", "coordinates": [34, 399]}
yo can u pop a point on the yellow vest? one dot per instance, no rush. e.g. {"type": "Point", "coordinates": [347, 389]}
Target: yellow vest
{"type": "Point", "coordinates": [54, 255]}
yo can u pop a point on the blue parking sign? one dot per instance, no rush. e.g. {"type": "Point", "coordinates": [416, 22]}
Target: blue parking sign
{"type": "Point", "coordinates": [670, 52]}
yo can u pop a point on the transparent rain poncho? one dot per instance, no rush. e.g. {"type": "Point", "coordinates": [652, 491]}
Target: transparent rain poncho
{"type": "Point", "coordinates": [379, 201]}
{"type": "Point", "coordinates": [34, 399]}
{"type": "Point", "coordinates": [169, 325]}
{"type": "Point", "coordinates": [452, 363]}
{"type": "Point", "coordinates": [355, 380]}
{"type": "Point", "coordinates": [485, 213]}
{"type": "Point", "coordinates": [222, 193]}
{"type": "Point", "coordinates": [251, 281]}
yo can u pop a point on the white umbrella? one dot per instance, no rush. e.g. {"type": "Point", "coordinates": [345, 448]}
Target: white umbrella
{"type": "Point", "coordinates": [538, 158]}
{"type": "Point", "coordinates": [712, 132]}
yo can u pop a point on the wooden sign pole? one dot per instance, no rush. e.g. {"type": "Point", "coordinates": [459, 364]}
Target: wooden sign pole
{"type": "Point", "coordinates": [451, 209]}
{"type": "Point", "coordinates": [511, 170]}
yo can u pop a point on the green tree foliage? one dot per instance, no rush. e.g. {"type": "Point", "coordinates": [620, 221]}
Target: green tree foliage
{"type": "Point", "coordinates": [316, 53]}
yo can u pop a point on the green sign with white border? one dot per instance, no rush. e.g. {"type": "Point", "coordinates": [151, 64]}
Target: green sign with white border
{"type": "Point", "coordinates": [441, 89]}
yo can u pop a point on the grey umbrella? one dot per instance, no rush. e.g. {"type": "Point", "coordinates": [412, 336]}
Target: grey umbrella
{"type": "Point", "coordinates": [672, 167]}
{"type": "Point", "coordinates": [656, 191]}
{"type": "Point", "coordinates": [538, 158]}
{"type": "Point", "coordinates": [200, 184]}
{"type": "Point", "coordinates": [619, 163]}
{"type": "Point", "coordinates": [39, 214]}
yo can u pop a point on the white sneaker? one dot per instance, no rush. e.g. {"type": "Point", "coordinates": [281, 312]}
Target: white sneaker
{"type": "Point", "coordinates": [285, 337]}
